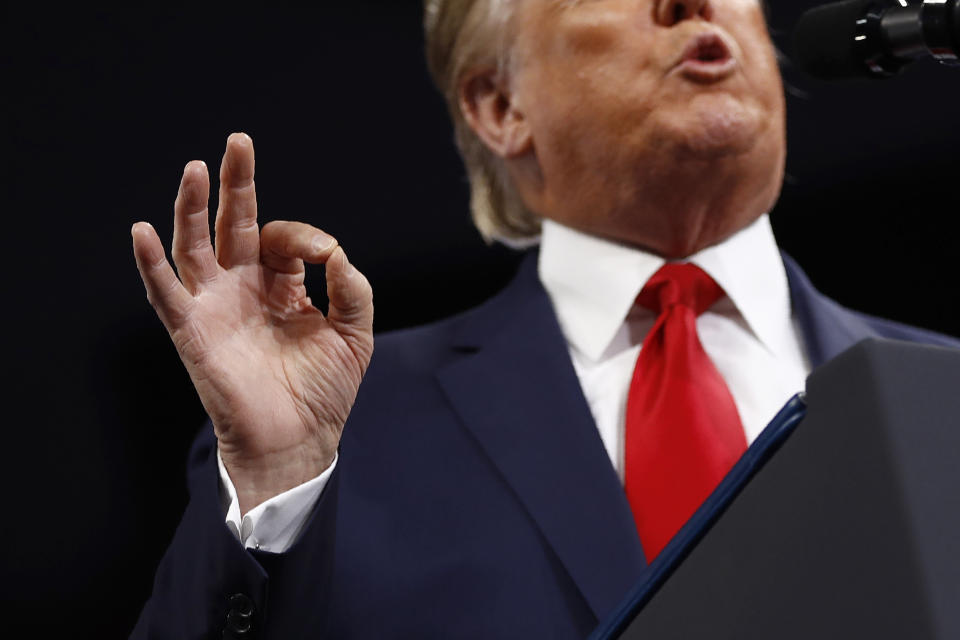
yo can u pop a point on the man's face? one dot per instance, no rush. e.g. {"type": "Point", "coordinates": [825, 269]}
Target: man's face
{"type": "Point", "coordinates": [624, 95]}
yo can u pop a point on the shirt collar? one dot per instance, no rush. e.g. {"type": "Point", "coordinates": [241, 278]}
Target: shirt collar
{"type": "Point", "coordinates": [594, 282]}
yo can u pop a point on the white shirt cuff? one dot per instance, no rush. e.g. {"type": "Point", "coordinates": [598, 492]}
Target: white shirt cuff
{"type": "Point", "coordinates": [273, 525]}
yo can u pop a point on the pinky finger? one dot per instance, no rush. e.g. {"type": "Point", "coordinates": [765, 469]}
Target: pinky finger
{"type": "Point", "coordinates": [165, 292]}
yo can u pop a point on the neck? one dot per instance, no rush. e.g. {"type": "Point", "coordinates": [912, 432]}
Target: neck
{"type": "Point", "coordinates": [672, 209]}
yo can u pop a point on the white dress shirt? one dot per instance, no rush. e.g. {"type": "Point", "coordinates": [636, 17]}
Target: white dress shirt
{"type": "Point", "coordinates": [593, 283]}
{"type": "Point", "coordinates": [273, 525]}
{"type": "Point", "coordinates": [749, 334]}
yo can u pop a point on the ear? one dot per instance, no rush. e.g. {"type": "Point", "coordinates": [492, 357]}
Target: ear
{"type": "Point", "coordinates": [491, 111]}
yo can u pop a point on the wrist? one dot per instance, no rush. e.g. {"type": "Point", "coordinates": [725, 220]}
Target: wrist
{"type": "Point", "coordinates": [260, 478]}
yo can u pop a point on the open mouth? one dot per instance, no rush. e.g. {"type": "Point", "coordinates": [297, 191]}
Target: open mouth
{"type": "Point", "coordinates": [707, 58]}
{"type": "Point", "coordinates": [707, 48]}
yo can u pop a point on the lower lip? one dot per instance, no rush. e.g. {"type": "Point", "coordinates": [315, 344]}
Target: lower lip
{"type": "Point", "coordinates": [703, 71]}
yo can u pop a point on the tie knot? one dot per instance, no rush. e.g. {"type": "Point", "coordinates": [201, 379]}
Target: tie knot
{"type": "Point", "coordinates": [680, 284]}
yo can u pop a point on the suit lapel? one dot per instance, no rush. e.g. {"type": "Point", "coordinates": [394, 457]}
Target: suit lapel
{"type": "Point", "coordinates": [828, 329]}
{"type": "Point", "coordinates": [516, 391]}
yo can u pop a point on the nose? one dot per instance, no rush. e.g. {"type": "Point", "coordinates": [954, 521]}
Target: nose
{"type": "Point", "coordinates": [670, 12]}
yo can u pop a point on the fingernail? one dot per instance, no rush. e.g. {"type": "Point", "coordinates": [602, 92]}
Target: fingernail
{"type": "Point", "coordinates": [186, 167]}
{"type": "Point", "coordinates": [133, 227]}
{"type": "Point", "coordinates": [322, 242]}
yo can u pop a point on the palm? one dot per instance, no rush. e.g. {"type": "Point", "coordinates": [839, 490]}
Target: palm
{"type": "Point", "coordinates": [277, 377]}
{"type": "Point", "coordinates": [270, 367]}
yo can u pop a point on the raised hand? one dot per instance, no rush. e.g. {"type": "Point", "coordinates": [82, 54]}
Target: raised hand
{"type": "Point", "coordinates": [276, 376]}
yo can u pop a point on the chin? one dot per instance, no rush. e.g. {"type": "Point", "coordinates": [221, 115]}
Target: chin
{"type": "Point", "coordinates": [716, 126]}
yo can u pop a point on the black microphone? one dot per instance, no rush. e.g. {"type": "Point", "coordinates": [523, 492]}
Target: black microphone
{"type": "Point", "coordinates": [875, 38]}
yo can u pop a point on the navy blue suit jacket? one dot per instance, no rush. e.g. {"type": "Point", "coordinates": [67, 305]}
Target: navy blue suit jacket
{"type": "Point", "coordinates": [473, 497]}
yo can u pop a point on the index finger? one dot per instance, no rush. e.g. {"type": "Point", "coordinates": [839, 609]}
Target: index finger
{"type": "Point", "coordinates": [238, 237]}
{"type": "Point", "coordinates": [285, 245]}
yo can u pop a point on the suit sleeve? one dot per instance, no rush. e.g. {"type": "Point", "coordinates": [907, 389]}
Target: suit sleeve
{"type": "Point", "coordinates": [209, 586]}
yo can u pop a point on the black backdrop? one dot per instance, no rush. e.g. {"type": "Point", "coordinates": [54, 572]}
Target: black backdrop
{"type": "Point", "coordinates": [101, 111]}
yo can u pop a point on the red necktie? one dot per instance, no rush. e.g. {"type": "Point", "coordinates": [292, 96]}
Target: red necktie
{"type": "Point", "coordinates": [683, 430]}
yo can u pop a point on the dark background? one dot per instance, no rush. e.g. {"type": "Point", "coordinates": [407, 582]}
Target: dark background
{"type": "Point", "coordinates": [102, 110]}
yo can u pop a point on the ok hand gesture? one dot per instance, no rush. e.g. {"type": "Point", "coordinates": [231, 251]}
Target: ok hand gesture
{"type": "Point", "coordinates": [276, 376]}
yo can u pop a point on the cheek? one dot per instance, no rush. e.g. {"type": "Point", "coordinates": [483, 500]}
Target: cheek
{"type": "Point", "coordinates": [768, 80]}
{"type": "Point", "coordinates": [761, 68]}
{"type": "Point", "coordinates": [596, 111]}
{"type": "Point", "coordinates": [585, 39]}
{"type": "Point", "coordinates": [596, 32]}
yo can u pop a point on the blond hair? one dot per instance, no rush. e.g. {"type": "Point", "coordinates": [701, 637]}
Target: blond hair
{"type": "Point", "coordinates": [462, 35]}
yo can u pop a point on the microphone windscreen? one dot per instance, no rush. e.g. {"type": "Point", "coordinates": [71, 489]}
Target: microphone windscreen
{"type": "Point", "coordinates": [823, 40]}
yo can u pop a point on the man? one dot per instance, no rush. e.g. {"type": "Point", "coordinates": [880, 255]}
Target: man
{"type": "Point", "coordinates": [493, 475]}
